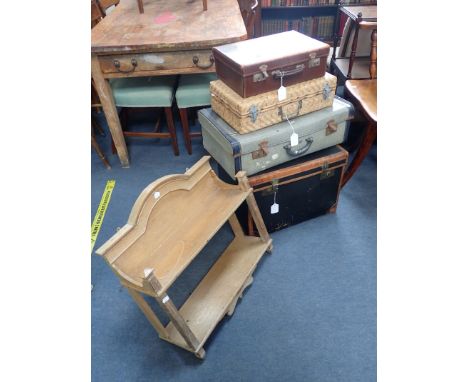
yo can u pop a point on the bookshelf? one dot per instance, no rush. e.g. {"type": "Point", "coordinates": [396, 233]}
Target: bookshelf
{"type": "Point", "coordinates": [315, 18]}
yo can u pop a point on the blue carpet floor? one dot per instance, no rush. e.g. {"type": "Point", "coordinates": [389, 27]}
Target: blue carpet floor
{"type": "Point", "coordinates": [310, 314]}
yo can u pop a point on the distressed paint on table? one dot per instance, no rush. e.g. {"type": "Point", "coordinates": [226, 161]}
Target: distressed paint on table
{"type": "Point", "coordinates": [189, 27]}
{"type": "Point", "coordinates": [179, 30]}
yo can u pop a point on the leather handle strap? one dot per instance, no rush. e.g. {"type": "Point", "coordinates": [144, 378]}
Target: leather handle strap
{"type": "Point", "coordinates": [284, 117]}
{"type": "Point", "coordinates": [286, 73]}
{"type": "Point", "coordinates": [295, 153]}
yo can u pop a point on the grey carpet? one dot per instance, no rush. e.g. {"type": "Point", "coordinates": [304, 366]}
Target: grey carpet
{"type": "Point", "coordinates": [310, 314]}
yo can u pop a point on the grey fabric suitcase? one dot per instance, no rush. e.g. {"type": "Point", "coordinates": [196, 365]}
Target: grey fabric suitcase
{"type": "Point", "coordinates": [271, 146]}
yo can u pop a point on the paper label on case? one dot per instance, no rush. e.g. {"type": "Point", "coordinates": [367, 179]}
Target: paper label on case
{"type": "Point", "coordinates": [294, 139]}
{"type": "Point", "coordinates": [274, 209]}
{"type": "Point", "coordinates": [282, 93]}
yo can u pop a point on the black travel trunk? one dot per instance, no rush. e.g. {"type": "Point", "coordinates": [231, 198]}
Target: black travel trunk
{"type": "Point", "coordinates": [303, 189]}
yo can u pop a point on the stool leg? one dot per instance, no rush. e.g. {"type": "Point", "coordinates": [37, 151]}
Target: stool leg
{"type": "Point", "coordinates": [171, 128]}
{"type": "Point", "coordinates": [157, 128]}
{"type": "Point", "coordinates": [185, 127]}
{"type": "Point", "coordinates": [99, 152]}
{"type": "Point", "coordinates": [366, 144]}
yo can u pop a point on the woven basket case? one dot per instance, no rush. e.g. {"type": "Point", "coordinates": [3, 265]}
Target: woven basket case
{"type": "Point", "coordinates": [253, 113]}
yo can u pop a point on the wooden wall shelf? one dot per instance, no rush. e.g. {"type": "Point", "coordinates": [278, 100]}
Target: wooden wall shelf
{"type": "Point", "coordinates": [170, 223]}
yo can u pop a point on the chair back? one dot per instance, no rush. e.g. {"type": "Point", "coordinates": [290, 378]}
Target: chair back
{"type": "Point", "coordinates": [248, 10]}
{"type": "Point", "coordinates": [97, 13]}
{"type": "Point", "coordinates": [373, 55]}
{"type": "Point", "coordinates": [106, 4]}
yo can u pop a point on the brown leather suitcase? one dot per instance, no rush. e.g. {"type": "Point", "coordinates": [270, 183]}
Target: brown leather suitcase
{"type": "Point", "coordinates": [256, 66]}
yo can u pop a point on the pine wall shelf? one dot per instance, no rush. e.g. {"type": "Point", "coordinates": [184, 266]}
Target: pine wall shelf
{"type": "Point", "coordinates": [170, 223]}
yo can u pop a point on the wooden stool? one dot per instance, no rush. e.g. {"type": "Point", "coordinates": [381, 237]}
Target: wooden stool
{"type": "Point", "coordinates": [95, 145]}
{"type": "Point", "coordinates": [193, 91]}
{"type": "Point", "coordinates": [363, 94]}
{"type": "Point", "coordinates": [144, 92]}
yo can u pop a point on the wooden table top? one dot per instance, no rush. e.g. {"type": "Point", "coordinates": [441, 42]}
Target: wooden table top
{"type": "Point", "coordinates": [369, 12]}
{"type": "Point", "coordinates": [365, 93]}
{"type": "Point", "coordinates": [168, 26]}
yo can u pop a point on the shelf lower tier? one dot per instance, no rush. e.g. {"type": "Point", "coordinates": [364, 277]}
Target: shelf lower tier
{"type": "Point", "coordinates": [222, 285]}
{"type": "Point", "coordinates": [360, 67]}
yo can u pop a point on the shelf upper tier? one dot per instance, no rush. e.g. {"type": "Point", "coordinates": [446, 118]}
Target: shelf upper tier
{"type": "Point", "coordinates": [171, 221]}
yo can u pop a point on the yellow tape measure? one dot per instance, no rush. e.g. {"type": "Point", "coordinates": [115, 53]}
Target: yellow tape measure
{"type": "Point", "coordinates": [101, 212]}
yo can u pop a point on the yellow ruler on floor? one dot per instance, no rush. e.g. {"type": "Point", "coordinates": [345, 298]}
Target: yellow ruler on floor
{"type": "Point", "coordinates": [101, 212]}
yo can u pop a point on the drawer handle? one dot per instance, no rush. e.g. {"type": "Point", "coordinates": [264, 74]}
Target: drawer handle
{"type": "Point", "coordinates": [133, 62]}
{"type": "Point", "coordinates": [295, 153]}
{"type": "Point", "coordinates": [196, 61]}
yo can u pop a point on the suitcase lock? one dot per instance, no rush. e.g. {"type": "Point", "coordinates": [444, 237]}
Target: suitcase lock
{"type": "Point", "coordinates": [326, 173]}
{"type": "Point", "coordinates": [331, 127]}
{"type": "Point", "coordinates": [262, 151]}
{"type": "Point", "coordinates": [253, 113]}
{"type": "Point", "coordinates": [271, 189]}
{"type": "Point", "coordinates": [257, 77]}
{"type": "Point", "coordinates": [314, 61]}
{"type": "Point", "coordinates": [326, 91]}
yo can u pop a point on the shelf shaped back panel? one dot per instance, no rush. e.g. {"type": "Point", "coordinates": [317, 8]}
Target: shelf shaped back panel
{"type": "Point", "coordinates": [171, 221]}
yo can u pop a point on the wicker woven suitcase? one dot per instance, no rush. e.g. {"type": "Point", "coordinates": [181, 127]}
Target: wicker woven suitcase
{"type": "Point", "coordinates": [266, 148]}
{"type": "Point", "coordinates": [249, 114]}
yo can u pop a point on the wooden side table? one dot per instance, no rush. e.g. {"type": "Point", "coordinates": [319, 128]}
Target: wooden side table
{"type": "Point", "coordinates": [362, 17]}
{"type": "Point", "coordinates": [170, 37]}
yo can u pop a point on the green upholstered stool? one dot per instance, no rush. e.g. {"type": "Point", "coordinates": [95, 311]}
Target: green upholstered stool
{"type": "Point", "coordinates": [139, 92]}
{"type": "Point", "coordinates": [193, 91]}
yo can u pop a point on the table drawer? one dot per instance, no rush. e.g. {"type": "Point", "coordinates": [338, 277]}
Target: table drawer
{"type": "Point", "coordinates": [192, 60]}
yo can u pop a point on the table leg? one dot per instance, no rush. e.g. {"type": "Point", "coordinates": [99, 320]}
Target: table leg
{"type": "Point", "coordinates": [110, 111]}
{"type": "Point", "coordinates": [364, 147]}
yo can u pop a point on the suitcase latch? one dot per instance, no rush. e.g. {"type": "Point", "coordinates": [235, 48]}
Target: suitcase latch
{"type": "Point", "coordinates": [331, 127]}
{"type": "Point", "coordinates": [271, 189]}
{"type": "Point", "coordinates": [262, 151]}
{"type": "Point", "coordinates": [326, 91]}
{"type": "Point", "coordinates": [326, 173]}
{"type": "Point", "coordinates": [263, 75]}
{"type": "Point", "coordinates": [253, 113]}
{"type": "Point", "coordinates": [314, 61]}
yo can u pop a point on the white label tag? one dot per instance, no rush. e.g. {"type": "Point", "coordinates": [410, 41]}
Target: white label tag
{"type": "Point", "coordinates": [282, 93]}
{"type": "Point", "coordinates": [274, 208]}
{"type": "Point", "coordinates": [294, 139]}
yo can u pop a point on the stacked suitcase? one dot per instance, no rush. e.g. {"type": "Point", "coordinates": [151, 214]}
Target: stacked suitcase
{"type": "Point", "coordinates": [274, 115]}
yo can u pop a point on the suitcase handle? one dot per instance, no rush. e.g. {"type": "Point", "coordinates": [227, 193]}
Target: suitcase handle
{"type": "Point", "coordinates": [284, 117]}
{"type": "Point", "coordinates": [295, 153]}
{"type": "Point", "coordinates": [286, 73]}
{"type": "Point", "coordinates": [196, 61]}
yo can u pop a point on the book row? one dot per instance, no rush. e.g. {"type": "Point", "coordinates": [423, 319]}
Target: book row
{"type": "Point", "coordinates": [318, 27]}
{"type": "Point", "coordinates": [295, 3]}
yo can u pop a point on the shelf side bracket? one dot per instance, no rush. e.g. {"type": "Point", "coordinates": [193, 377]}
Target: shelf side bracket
{"type": "Point", "coordinates": [168, 306]}
{"type": "Point", "coordinates": [253, 207]}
